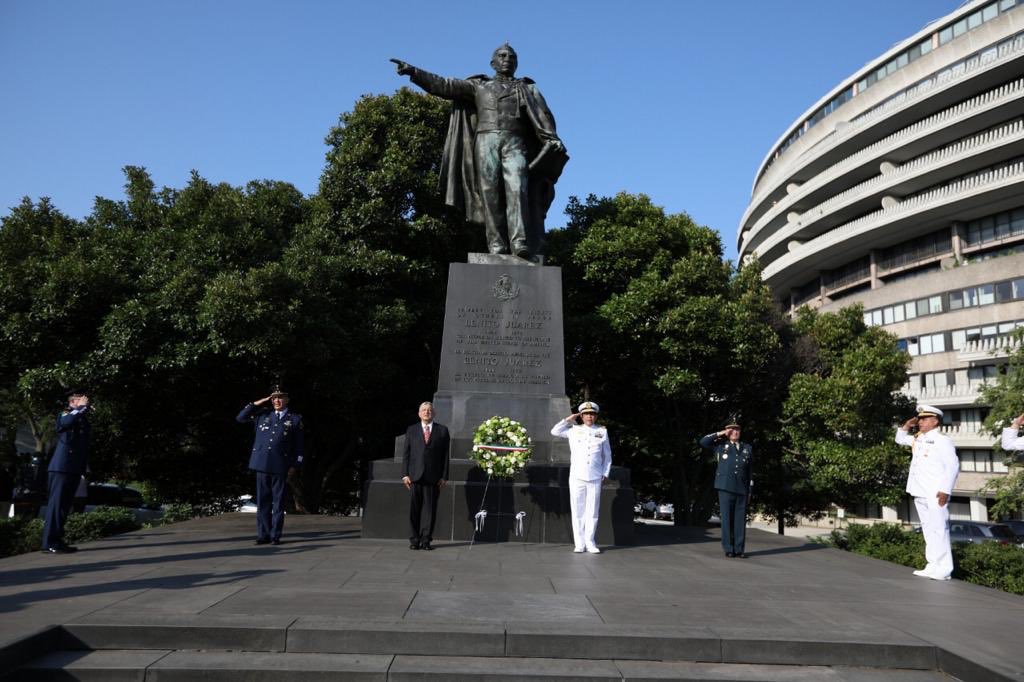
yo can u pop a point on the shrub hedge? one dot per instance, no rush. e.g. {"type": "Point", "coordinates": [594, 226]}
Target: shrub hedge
{"type": "Point", "coordinates": [990, 564]}
{"type": "Point", "coordinates": [20, 535]}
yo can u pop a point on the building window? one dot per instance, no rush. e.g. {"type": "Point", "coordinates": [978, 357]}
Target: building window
{"type": "Point", "coordinates": [927, 344]}
{"type": "Point", "coordinates": [1010, 291]}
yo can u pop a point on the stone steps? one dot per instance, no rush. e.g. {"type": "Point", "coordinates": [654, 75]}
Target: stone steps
{"type": "Point", "coordinates": [255, 648]}
{"type": "Point", "coordinates": [163, 665]}
{"type": "Point", "coordinates": [333, 635]}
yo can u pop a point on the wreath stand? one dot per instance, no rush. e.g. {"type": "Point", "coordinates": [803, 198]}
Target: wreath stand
{"type": "Point", "coordinates": [480, 518]}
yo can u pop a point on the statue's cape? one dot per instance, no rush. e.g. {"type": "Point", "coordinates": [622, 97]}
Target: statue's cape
{"type": "Point", "coordinates": [459, 178]}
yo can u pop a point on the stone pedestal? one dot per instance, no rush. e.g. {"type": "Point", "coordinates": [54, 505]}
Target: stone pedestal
{"type": "Point", "coordinates": [503, 354]}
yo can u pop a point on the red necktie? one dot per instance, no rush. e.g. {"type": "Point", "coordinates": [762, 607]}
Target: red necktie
{"type": "Point", "coordinates": [426, 434]}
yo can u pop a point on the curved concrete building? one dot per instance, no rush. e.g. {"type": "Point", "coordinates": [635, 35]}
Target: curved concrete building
{"type": "Point", "coordinates": [903, 189]}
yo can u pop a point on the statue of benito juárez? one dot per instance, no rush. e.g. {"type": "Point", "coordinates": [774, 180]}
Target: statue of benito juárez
{"type": "Point", "coordinates": [502, 156]}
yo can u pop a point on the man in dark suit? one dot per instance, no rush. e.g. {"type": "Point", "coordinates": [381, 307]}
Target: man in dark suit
{"type": "Point", "coordinates": [424, 472]}
{"type": "Point", "coordinates": [732, 481]}
{"type": "Point", "coordinates": [277, 452]}
{"type": "Point", "coordinates": [67, 466]}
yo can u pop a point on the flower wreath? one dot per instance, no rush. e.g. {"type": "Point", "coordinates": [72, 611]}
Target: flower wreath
{"type": "Point", "coordinates": [501, 447]}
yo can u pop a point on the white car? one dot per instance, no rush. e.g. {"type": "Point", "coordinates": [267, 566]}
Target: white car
{"type": "Point", "coordinates": [246, 504]}
{"type": "Point", "coordinates": [665, 511]}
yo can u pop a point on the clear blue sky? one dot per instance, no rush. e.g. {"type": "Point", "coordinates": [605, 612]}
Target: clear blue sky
{"type": "Point", "coordinates": [680, 100]}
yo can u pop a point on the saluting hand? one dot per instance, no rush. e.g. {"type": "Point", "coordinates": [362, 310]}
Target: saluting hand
{"type": "Point", "coordinates": [259, 402]}
{"type": "Point", "coordinates": [942, 497]}
{"type": "Point", "coordinates": [909, 424]}
{"type": "Point", "coordinates": [1017, 422]}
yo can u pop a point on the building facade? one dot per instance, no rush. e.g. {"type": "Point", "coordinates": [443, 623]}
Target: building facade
{"type": "Point", "coordinates": [902, 189]}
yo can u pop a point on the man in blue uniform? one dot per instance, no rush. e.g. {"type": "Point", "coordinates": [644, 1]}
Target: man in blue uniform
{"type": "Point", "coordinates": [277, 452]}
{"type": "Point", "coordinates": [66, 469]}
{"type": "Point", "coordinates": [732, 481]}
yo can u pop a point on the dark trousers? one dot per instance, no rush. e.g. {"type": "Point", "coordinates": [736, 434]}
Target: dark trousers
{"type": "Point", "coordinates": [62, 487]}
{"type": "Point", "coordinates": [423, 511]}
{"type": "Point", "coordinates": [271, 496]}
{"type": "Point", "coordinates": [733, 512]}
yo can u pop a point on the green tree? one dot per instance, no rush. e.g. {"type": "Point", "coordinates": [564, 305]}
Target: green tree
{"type": "Point", "coordinates": [840, 410]}
{"type": "Point", "coordinates": [1005, 398]}
{"type": "Point", "coordinates": [667, 336]}
{"type": "Point", "coordinates": [175, 306]}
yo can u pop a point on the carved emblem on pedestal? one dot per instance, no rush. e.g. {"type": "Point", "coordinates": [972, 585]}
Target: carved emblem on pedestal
{"type": "Point", "coordinates": [505, 288]}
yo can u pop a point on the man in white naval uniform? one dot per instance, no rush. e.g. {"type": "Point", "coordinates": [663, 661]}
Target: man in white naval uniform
{"type": "Point", "coordinates": [933, 471]}
{"type": "Point", "coordinates": [589, 467]}
{"type": "Point", "coordinates": [1011, 438]}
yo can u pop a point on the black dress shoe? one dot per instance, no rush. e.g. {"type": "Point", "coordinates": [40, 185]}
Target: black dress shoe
{"type": "Point", "coordinates": [276, 541]}
{"type": "Point", "coordinates": [262, 541]}
{"type": "Point", "coordinates": [53, 550]}
{"type": "Point", "coordinates": [414, 545]}
{"type": "Point", "coordinates": [426, 546]}
{"type": "Point", "coordinates": [730, 555]}
{"type": "Point", "coordinates": [741, 555]}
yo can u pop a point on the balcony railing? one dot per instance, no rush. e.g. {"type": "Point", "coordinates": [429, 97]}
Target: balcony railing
{"type": "Point", "coordinates": [959, 393]}
{"type": "Point", "coordinates": [983, 101]}
{"type": "Point", "coordinates": [955, 190]}
{"type": "Point", "coordinates": [988, 348]}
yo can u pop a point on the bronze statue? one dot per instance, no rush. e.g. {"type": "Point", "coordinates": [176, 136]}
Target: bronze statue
{"type": "Point", "coordinates": [502, 156]}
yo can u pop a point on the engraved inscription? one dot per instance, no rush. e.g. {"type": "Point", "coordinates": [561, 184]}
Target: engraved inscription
{"type": "Point", "coordinates": [502, 345]}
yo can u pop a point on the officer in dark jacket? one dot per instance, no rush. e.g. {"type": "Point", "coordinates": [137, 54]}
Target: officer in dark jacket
{"type": "Point", "coordinates": [732, 481]}
{"type": "Point", "coordinates": [277, 452]}
{"type": "Point", "coordinates": [66, 469]}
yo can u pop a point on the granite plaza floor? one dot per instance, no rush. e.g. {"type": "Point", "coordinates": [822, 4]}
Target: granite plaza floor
{"type": "Point", "coordinates": [790, 598]}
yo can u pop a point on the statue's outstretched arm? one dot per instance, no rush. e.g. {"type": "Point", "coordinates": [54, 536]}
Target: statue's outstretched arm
{"type": "Point", "coordinates": [448, 88]}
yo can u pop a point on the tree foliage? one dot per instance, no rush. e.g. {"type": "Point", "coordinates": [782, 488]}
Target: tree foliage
{"type": "Point", "coordinates": [657, 327]}
{"type": "Point", "coordinates": [1005, 398]}
{"type": "Point", "coordinates": [176, 306]}
{"type": "Point", "coordinates": [675, 341]}
{"type": "Point", "coordinates": [839, 414]}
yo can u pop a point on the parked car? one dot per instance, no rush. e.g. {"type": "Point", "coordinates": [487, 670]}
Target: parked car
{"type": "Point", "coordinates": [246, 504]}
{"type": "Point", "coordinates": [979, 531]}
{"type": "Point", "coordinates": [1016, 526]}
{"type": "Point", "coordinates": [114, 495]}
{"type": "Point", "coordinates": [664, 511]}
{"type": "Point", "coordinates": [647, 508]}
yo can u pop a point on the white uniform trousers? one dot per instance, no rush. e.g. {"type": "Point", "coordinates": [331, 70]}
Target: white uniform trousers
{"type": "Point", "coordinates": [935, 529]}
{"type": "Point", "coordinates": [585, 504]}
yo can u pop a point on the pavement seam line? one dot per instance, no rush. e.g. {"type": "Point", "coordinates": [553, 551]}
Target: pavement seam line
{"type": "Point", "coordinates": [287, 633]}
{"type": "Point", "coordinates": [224, 598]}
{"type": "Point", "coordinates": [145, 671]}
{"type": "Point", "coordinates": [603, 621]}
{"type": "Point", "coordinates": [409, 605]}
